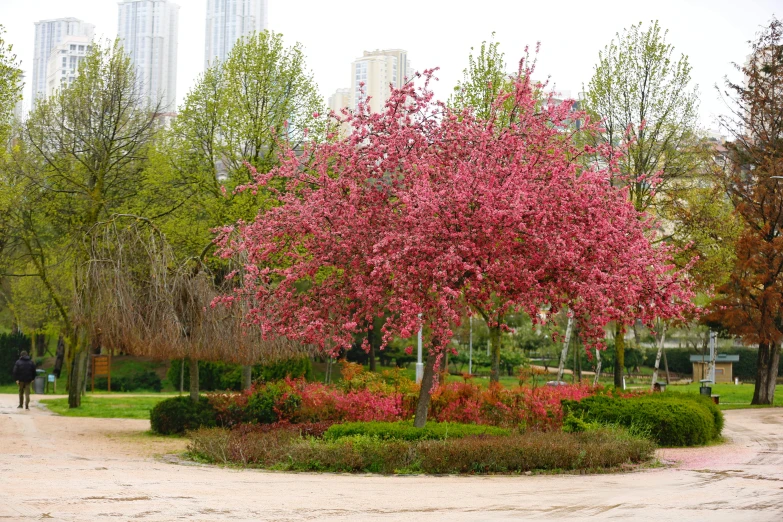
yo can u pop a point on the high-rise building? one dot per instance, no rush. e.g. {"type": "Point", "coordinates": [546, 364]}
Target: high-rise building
{"type": "Point", "coordinates": [340, 100]}
{"type": "Point", "coordinates": [147, 30]}
{"type": "Point", "coordinates": [19, 107]}
{"type": "Point", "coordinates": [227, 22]}
{"type": "Point", "coordinates": [64, 62]}
{"type": "Point", "coordinates": [371, 76]}
{"type": "Point", "coordinates": [48, 35]}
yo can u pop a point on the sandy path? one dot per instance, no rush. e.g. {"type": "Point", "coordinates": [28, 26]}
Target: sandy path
{"type": "Point", "coordinates": [81, 469]}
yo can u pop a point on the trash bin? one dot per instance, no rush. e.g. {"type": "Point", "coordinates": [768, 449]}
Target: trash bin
{"type": "Point", "coordinates": [40, 381]}
{"type": "Point", "coordinates": [704, 389]}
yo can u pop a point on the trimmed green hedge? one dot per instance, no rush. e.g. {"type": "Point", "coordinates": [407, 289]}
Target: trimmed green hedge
{"type": "Point", "coordinates": [405, 430]}
{"type": "Point", "coordinates": [139, 380]}
{"type": "Point", "coordinates": [181, 414]}
{"type": "Point", "coordinates": [670, 419]}
{"type": "Point", "coordinates": [219, 376]}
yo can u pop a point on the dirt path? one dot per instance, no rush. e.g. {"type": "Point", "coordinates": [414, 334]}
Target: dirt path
{"type": "Point", "coordinates": [81, 469]}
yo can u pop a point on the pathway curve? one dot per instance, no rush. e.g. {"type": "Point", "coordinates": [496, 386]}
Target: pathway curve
{"type": "Point", "coordinates": [81, 469]}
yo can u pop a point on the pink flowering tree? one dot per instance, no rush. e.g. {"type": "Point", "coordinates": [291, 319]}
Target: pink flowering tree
{"type": "Point", "coordinates": [427, 214]}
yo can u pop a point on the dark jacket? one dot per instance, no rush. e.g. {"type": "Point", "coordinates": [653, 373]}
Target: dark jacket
{"type": "Point", "coordinates": [24, 369]}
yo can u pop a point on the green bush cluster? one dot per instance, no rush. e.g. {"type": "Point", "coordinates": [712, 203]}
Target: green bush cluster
{"type": "Point", "coordinates": [219, 376]}
{"type": "Point", "coordinates": [268, 403]}
{"type": "Point", "coordinates": [137, 380]}
{"type": "Point", "coordinates": [181, 414]}
{"type": "Point", "coordinates": [405, 430]}
{"type": "Point", "coordinates": [670, 419]}
{"type": "Point", "coordinates": [285, 450]}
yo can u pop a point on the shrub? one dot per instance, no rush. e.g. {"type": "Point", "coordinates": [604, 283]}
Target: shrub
{"type": "Point", "coordinates": [285, 450]}
{"type": "Point", "coordinates": [138, 380]}
{"type": "Point", "coordinates": [375, 399]}
{"type": "Point", "coordinates": [219, 376]}
{"type": "Point", "coordinates": [670, 419]}
{"type": "Point", "coordinates": [272, 402]}
{"type": "Point", "coordinates": [294, 368]}
{"type": "Point", "coordinates": [406, 431]}
{"type": "Point", "coordinates": [211, 375]}
{"type": "Point", "coordinates": [181, 414]}
{"type": "Point", "coordinates": [530, 408]}
{"type": "Point", "coordinates": [702, 400]}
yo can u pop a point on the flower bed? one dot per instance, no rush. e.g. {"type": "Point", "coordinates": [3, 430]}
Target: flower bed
{"type": "Point", "coordinates": [389, 396]}
{"type": "Point", "coordinates": [285, 449]}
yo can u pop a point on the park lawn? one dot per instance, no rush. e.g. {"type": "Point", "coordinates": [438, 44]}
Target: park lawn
{"type": "Point", "coordinates": [108, 406]}
{"type": "Point", "coordinates": [731, 396]}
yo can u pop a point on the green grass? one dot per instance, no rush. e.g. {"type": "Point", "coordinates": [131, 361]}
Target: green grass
{"type": "Point", "coordinates": [107, 406]}
{"type": "Point", "coordinates": [731, 396]}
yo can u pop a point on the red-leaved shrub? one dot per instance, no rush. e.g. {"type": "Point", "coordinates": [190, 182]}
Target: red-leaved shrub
{"type": "Point", "coordinates": [297, 401]}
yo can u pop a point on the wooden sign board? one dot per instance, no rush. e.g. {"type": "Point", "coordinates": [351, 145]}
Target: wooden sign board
{"type": "Point", "coordinates": [101, 367]}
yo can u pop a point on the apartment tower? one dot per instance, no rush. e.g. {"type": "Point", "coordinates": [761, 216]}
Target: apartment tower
{"type": "Point", "coordinates": [227, 22]}
{"type": "Point", "coordinates": [371, 76]}
{"type": "Point", "coordinates": [48, 35]}
{"type": "Point", "coordinates": [147, 30]}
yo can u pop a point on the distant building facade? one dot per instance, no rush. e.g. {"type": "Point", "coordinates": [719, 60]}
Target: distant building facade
{"type": "Point", "coordinates": [49, 34]}
{"type": "Point", "coordinates": [148, 31]}
{"type": "Point", "coordinates": [64, 62]}
{"type": "Point", "coordinates": [340, 100]}
{"type": "Point", "coordinates": [371, 76]}
{"type": "Point", "coordinates": [227, 22]}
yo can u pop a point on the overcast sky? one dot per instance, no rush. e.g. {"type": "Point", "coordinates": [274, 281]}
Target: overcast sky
{"type": "Point", "coordinates": [440, 33]}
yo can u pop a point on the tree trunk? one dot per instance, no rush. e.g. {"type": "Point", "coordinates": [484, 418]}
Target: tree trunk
{"type": "Point", "coordinates": [193, 368]}
{"type": "Point", "coordinates": [423, 404]}
{"type": "Point", "coordinates": [371, 353]}
{"type": "Point", "coordinates": [597, 366]}
{"type": "Point", "coordinates": [182, 376]}
{"type": "Point", "coordinates": [76, 378]}
{"type": "Point", "coordinates": [658, 356]}
{"type": "Point", "coordinates": [247, 377]}
{"type": "Point", "coordinates": [78, 369]}
{"type": "Point", "coordinates": [494, 341]}
{"type": "Point", "coordinates": [564, 353]}
{"type": "Point", "coordinates": [619, 355]}
{"type": "Point", "coordinates": [666, 365]}
{"type": "Point", "coordinates": [766, 373]}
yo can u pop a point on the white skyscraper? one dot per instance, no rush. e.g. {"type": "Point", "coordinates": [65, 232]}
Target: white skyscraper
{"type": "Point", "coordinates": [48, 35]}
{"type": "Point", "coordinates": [64, 62]}
{"type": "Point", "coordinates": [147, 30]}
{"type": "Point", "coordinates": [227, 22]}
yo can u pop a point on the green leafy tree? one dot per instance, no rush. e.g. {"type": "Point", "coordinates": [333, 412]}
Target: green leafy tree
{"type": "Point", "coordinates": [641, 91]}
{"type": "Point", "coordinates": [239, 113]}
{"type": "Point", "coordinates": [80, 162]}
{"type": "Point", "coordinates": [484, 78]}
{"type": "Point", "coordinates": [10, 87]}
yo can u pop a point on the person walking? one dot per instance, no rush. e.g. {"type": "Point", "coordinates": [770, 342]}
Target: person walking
{"type": "Point", "coordinates": [24, 373]}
